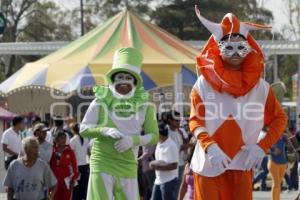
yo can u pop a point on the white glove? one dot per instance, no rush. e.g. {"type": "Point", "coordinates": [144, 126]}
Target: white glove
{"type": "Point", "coordinates": [217, 158]}
{"type": "Point", "coordinates": [124, 144]}
{"type": "Point", "coordinates": [254, 157]}
{"type": "Point", "coordinates": [111, 132]}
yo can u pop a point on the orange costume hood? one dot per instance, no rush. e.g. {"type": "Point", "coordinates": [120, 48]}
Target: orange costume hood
{"type": "Point", "coordinates": [210, 63]}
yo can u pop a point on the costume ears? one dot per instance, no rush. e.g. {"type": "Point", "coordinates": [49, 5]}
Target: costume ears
{"type": "Point", "coordinates": [229, 24]}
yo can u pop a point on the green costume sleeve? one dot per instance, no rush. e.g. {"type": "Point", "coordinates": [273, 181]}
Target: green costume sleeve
{"type": "Point", "coordinates": [151, 126]}
{"type": "Point", "coordinates": [89, 127]}
{"type": "Point", "coordinates": [91, 132]}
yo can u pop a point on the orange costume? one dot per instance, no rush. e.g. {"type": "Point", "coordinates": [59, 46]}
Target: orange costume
{"type": "Point", "coordinates": [229, 109]}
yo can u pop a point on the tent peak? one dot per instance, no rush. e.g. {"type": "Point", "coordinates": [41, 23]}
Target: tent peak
{"type": "Point", "coordinates": [127, 6]}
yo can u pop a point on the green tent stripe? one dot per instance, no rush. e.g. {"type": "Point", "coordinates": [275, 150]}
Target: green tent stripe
{"type": "Point", "coordinates": [112, 42]}
{"type": "Point", "coordinates": [158, 41]}
{"type": "Point", "coordinates": [136, 39]}
{"type": "Point", "coordinates": [92, 40]}
{"type": "Point", "coordinates": [172, 40]}
{"type": "Point", "coordinates": [76, 46]}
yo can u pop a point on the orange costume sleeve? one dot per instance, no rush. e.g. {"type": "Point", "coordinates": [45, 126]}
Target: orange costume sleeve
{"type": "Point", "coordinates": [197, 121]}
{"type": "Point", "coordinates": [275, 119]}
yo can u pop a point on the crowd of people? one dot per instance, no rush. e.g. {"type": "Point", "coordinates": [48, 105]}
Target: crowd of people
{"type": "Point", "coordinates": [45, 162]}
{"type": "Point", "coordinates": [135, 155]}
{"type": "Point", "coordinates": [53, 161]}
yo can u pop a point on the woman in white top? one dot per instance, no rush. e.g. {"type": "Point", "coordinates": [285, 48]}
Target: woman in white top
{"type": "Point", "coordinates": [81, 147]}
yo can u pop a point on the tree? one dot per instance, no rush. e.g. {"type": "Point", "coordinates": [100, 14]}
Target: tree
{"type": "Point", "coordinates": [291, 30]}
{"type": "Point", "coordinates": [178, 17]}
{"type": "Point", "coordinates": [48, 21]}
{"type": "Point", "coordinates": [288, 66]}
{"type": "Point", "coordinates": [98, 11]}
{"type": "Point", "coordinates": [109, 8]}
{"type": "Point", "coordinates": [30, 20]}
{"type": "Point", "coordinates": [15, 11]}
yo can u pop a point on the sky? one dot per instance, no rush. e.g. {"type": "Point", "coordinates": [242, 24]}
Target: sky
{"type": "Point", "coordinates": [279, 12]}
{"type": "Point", "coordinates": [276, 6]}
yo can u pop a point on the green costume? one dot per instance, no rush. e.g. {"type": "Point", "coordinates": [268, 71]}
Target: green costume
{"type": "Point", "coordinates": [116, 124]}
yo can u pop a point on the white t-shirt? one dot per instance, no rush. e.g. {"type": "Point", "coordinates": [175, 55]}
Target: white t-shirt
{"type": "Point", "coordinates": [45, 151]}
{"type": "Point", "coordinates": [12, 140]}
{"type": "Point", "coordinates": [80, 150]}
{"type": "Point", "coordinates": [167, 152]}
{"type": "Point", "coordinates": [176, 137]}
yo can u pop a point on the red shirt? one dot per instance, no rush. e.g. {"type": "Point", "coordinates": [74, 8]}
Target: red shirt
{"type": "Point", "coordinates": [64, 164]}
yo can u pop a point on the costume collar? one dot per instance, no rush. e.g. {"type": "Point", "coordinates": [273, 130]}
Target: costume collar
{"type": "Point", "coordinates": [122, 107]}
{"type": "Point", "coordinates": [234, 82]}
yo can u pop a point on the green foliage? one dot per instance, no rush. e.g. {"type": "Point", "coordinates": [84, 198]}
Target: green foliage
{"type": "Point", "coordinates": [108, 8]}
{"type": "Point", "coordinates": [179, 18]}
{"type": "Point", "coordinates": [287, 67]}
{"type": "Point", "coordinates": [48, 22]}
{"type": "Point", "coordinates": [31, 20]}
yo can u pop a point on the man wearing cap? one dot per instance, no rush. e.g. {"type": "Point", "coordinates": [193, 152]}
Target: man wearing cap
{"type": "Point", "coordinates": [230, 106]}
{"type": "Point", "coordinates": [116, 118]}
{"type": "Point", "coordinates": [40, 132]}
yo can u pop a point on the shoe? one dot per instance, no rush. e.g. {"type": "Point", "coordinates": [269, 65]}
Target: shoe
{"type": "Point", "coordinates": [264, 189]}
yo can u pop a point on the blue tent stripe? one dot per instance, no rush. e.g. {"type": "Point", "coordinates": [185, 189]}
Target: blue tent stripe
{"type": "Point", "coordinates": [7, 84]}
{"type": "Point", "coordinates": [148, 82]}
{"type": "Point", "coordinates": [82, 79]}
{"type": "Point", "coordinates": [38, 79]}
{"type": "Point", "coordinates": [188, 77]}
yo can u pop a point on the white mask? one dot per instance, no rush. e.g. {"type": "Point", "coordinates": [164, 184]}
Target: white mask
{"type": "Point", "coordinates": [123, 77]}
{"type": "Point", "coordinates": [229, 48]}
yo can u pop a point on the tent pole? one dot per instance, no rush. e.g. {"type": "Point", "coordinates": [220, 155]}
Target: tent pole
{"type": "Point", "coordinates": [81, 17]}
{"type": "Point", "coordinates": [275, 69]}
{"type": "Point", "coordinates": [298, 97]}
{"type": "Point", "coordinates": [178, 92]}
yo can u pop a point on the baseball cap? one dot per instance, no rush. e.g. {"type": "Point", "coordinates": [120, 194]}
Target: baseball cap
{"type": "Point", "coordinates": [40, 127]}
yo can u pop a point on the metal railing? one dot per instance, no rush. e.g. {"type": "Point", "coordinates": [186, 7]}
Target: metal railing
{"type": "Point", "coordinates": [276, 47]}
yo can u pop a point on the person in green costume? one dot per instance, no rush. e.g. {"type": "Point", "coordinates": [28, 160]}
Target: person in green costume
{"type": "Point", "coordinates": [115, 119]}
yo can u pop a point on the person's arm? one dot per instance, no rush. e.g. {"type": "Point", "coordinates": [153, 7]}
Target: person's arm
{"type": "Point", "coordinates": [8, 150]}
{"type": "Point", "coordinates": [275, 119]}
{"type": "Point", "coordinates": [10, 193]}
{"type": "Point", "coordinates": [167, 167]}
{"type": "Point", "coordinates": [150, 129]}
{"type": "Point", "coordinates": [147, 152]}
{"type": "Point", "coordinates": [186, 146]}
{"type": "Point", "coordinates": [76, 173]}
{"type": "Point", "coordinates": [52, 191]}
{"type": "Point", "coordinates": [88, 126]}
{"type": "Point", "coordinates": [185, 140]}
{"type": "Point", "coordinates": [50, 181]}
{"type": "Point", "coordinates": [171, 155]}
{"type": "Point", "coordinates": [197, 121]}
{"type": "Point", "coordinates": [9, 181]}
{"type": "Point", "coordinates": [183, 185]}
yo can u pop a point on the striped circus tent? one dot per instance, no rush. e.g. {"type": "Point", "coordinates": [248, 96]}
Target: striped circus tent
{"type": "Point", "coordinates": [84, 62]}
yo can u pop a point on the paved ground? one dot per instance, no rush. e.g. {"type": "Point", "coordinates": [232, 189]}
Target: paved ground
{"type": "Point", "coordinates": [257, 196]}
{"type": "Point", "coordinates": [267, 196]}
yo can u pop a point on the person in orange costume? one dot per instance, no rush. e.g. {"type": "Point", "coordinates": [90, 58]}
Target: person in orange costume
{"type": "Point", "coordinates": [230, 104]}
